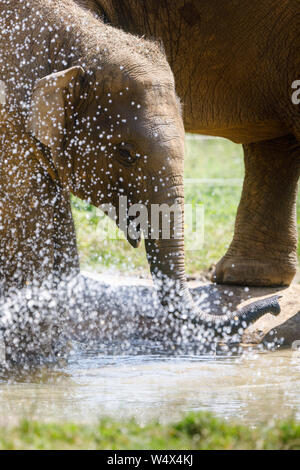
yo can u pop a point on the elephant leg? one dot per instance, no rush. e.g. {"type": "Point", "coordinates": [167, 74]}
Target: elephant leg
{"type": "Point", "coordinates": [263, 251]}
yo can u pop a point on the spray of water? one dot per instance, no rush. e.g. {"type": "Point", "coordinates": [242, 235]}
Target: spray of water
{"type": "Point", "coordinates": [81, 114]}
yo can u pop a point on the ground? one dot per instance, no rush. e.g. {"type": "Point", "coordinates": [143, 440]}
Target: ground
{"type": "Point", "coordinates": [213, 179]}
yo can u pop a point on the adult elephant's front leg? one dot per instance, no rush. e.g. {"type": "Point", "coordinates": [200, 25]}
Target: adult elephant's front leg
{"type": "Point", "coordinates": [264, 247]}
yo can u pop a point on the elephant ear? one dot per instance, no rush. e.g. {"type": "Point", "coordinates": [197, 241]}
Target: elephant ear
{"type": "Point", "coordinates": [52, 95]}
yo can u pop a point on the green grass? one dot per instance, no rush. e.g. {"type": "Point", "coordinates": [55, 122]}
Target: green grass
{"type": "Point", "coordinates": [195, 431]}
{"type": "Point", "coordinates": [215, 158]}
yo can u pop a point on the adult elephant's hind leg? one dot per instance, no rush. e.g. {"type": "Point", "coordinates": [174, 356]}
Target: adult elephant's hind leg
{"type": "Point", "coordinates": [263, 251]}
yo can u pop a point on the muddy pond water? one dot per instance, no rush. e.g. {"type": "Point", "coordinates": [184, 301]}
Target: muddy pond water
{"type": "Point", "coordinates": [150, 384]}
{"type": "Point", "coordinates": [254, 388]}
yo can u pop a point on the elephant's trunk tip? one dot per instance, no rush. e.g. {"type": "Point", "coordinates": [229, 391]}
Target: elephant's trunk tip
{"type": "Point", "coordinates": [251, 313]}
{"type": "Point", "coordinates": [241, 318]}
{"type": "Point", "coordinates": [261, 307]}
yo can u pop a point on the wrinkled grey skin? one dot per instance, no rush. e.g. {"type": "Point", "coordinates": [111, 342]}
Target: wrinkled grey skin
{"type": "Point", "coordinates": [236, 66]}
{"type": "Point", "coordinates": [91, 110]}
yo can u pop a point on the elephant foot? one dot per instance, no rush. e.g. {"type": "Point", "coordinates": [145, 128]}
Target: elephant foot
{"type": "Point", "coordinates": [253, 272]}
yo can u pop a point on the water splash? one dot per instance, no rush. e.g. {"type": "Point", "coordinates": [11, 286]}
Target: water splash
{"type": "Point", "coordinates": [42, 325]}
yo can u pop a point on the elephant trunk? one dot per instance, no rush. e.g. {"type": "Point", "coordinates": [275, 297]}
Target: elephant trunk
{"type": "Point", "coordinates": [167, 264]}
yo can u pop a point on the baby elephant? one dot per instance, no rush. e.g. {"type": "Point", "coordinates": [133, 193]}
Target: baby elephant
{"type": "Point", "coordinates": [88, 109]}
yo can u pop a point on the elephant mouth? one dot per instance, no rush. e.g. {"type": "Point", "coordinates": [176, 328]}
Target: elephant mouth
{"type": "Point", "coordinates": [131, 230]}
{"type": "Point", "coordinates": [135, 243]}
{"type": "Point", "coordinates": [133, 233]}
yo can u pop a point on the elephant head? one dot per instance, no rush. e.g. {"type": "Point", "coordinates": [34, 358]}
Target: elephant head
{"type": "Point", "coordinates": [114, 128]}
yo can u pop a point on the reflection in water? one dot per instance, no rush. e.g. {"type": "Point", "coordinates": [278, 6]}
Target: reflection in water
{"type": "Point", "coordinates": [251, 389]}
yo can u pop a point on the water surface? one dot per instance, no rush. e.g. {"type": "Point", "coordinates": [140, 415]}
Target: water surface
{"type": "Point", "coordinates": [251, 389]}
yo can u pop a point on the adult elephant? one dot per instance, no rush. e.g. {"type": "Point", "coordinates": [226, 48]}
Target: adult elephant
{"type": "Point", "coordinates": [89, 109]}
{"type": "Point", "coordinates": [236, 64]}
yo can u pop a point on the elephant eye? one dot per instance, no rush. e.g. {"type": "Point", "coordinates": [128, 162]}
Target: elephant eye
{"type": "Point", "coordinates": [126, 155]}
{"type": "Point", "coordinates": [103, 15]}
